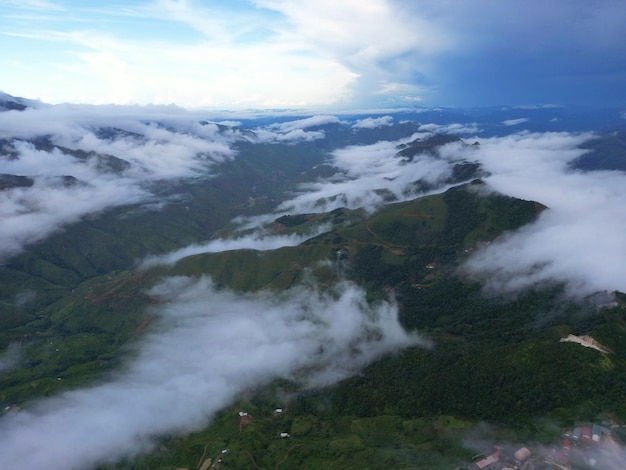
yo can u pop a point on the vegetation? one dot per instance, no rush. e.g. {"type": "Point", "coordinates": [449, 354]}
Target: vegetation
{"type": "Point", "coordinates": [495, 359]}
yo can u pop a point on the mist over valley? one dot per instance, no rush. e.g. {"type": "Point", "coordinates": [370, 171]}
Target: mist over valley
{"type": "Point", "coordinates": [388, 281]}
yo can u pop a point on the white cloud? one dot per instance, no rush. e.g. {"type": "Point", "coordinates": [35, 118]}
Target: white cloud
{"type": "Point", "coordinates": [269, 136]}
{"type": "Point", "coordinates": [301, 135]}
{"type": "Point", "coordinates": [373, 123]}
{"type": "Point", "coordinates": [260, 75]}
{"type": "Point", "coordinates": [368, 175]}
{"type": "Point", "coordinates": [275, 53]}
{"type": "Point", "coordinates": [161, 153]}
{"type": "Point", "coordinates": [313, 121]}
{"type": "Point", "coordinates": [293, 131]}
{"type": "Point", "coordinates": [578, 240]}
{"type": "Point", "coordinates": [268, 53]}
{"type": "Point", "coordinates": [228, 123]}
{"type": "Point", "coordinates": [455, 128]}
{"type": "Point", "coordinates": [142, 150]}
{"type": "Point", "coordinates": [357, 35]}
{"type": "Point", "coordinates": [538, 106]}
{"type": "Point", "coordinates": [217, 68]}
{"type": "Point", "coordinates": [31, 214]}
{"type": "Point", "coordinates": [514, 122]}
{"type": "Point", "coordinates": [205, 347]}
{"type": "Point", "coordinates": [256, 241]}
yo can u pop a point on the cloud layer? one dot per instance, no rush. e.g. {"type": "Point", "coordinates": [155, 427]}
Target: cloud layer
{"type": "Point", "coordinates": [255, 241]}
{"type": "Point", "coordinates": [369, 176]}
{"type": "Point", "coordinates": [206, 347]}
{"type": "Point", "coordinates": [89, 160]}
{"type": "Point", "coordinates": [578, 240]}
{"type": "Point", "coordinates": [170, 386]}
{"type": "Point", "coordinates": [292, 131]}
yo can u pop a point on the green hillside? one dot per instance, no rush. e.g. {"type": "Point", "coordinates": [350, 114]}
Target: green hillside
{"type": "Point", "coordinates": [497, 360]}
{"type": "Point", "coordinates": [393, 247]}
{"type": "Point", "coordinates": [403, 244]}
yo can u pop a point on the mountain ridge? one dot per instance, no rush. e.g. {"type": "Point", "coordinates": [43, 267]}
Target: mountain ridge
{"type": "Point", "coordinates": [78, 305]}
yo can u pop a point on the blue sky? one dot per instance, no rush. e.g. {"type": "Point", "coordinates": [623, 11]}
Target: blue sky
{"type": "Point", "coordinates": [322, 54]}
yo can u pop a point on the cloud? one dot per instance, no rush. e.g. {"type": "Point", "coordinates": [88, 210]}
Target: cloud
{"type": "Point", "coordinates": [159, 153]}
{"type": "Point", "coordinates": [214, 55]}
{"type": "Point", "coordinates": [31, 214]}
{"type": "Point", "coordinates": [455, 128]}
{"type": "Point", "coordinates": [268, 136]}
{"type": "Point", "coordinates": [266, 53]}
{"type": "Point", "coordinates": [536, 106]}
{"type": "Point", "coordinates": [370, 175]}
{"type": "Point", "coordinates": [357, 35]}
{"type": "Point", "coordinates": [205, 348]}
{"type": "Point", "coordinates": [228, 123]}
{"type": "Point", "coordinates": [313, 121]}
{"type": "Point", "coordinates": [122, 155]}
{"type": "Point", "coordinates": [373, 123]}
{"type": "Point", "coordinates": [292, 131]}
{"type": "Point", "coordinates": [578, 240]}
{"type": "Point", "coordinates": [255, 241]}
{"type": "Point", "coordinates": [276, 53]}
{"type": "Point", "coordinates": [514, 122]}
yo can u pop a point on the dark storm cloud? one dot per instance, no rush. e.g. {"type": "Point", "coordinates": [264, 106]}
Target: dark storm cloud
{"type": "Point", "coordinates": [510, 52]}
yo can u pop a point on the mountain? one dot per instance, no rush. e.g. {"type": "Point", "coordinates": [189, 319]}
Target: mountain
{"type": "Point", "coordinates": [412, 249]}
{"type": "Point", "coordinates": [115, 238]}
{"type": "Point", "coordinates": [12, 103]}
{"type": "Point", "coordinates": [355, 291]}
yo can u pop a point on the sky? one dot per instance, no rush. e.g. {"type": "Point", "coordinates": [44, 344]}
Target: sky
{"type": "Point", "coordinates": [327, 54]}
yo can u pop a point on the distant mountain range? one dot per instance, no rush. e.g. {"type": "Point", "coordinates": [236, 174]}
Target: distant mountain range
{"type": "Point", "coordinates": [12, 103]}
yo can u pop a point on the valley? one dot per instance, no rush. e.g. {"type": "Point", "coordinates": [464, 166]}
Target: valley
{"type": "Point", "coordinates": [333, 278]}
